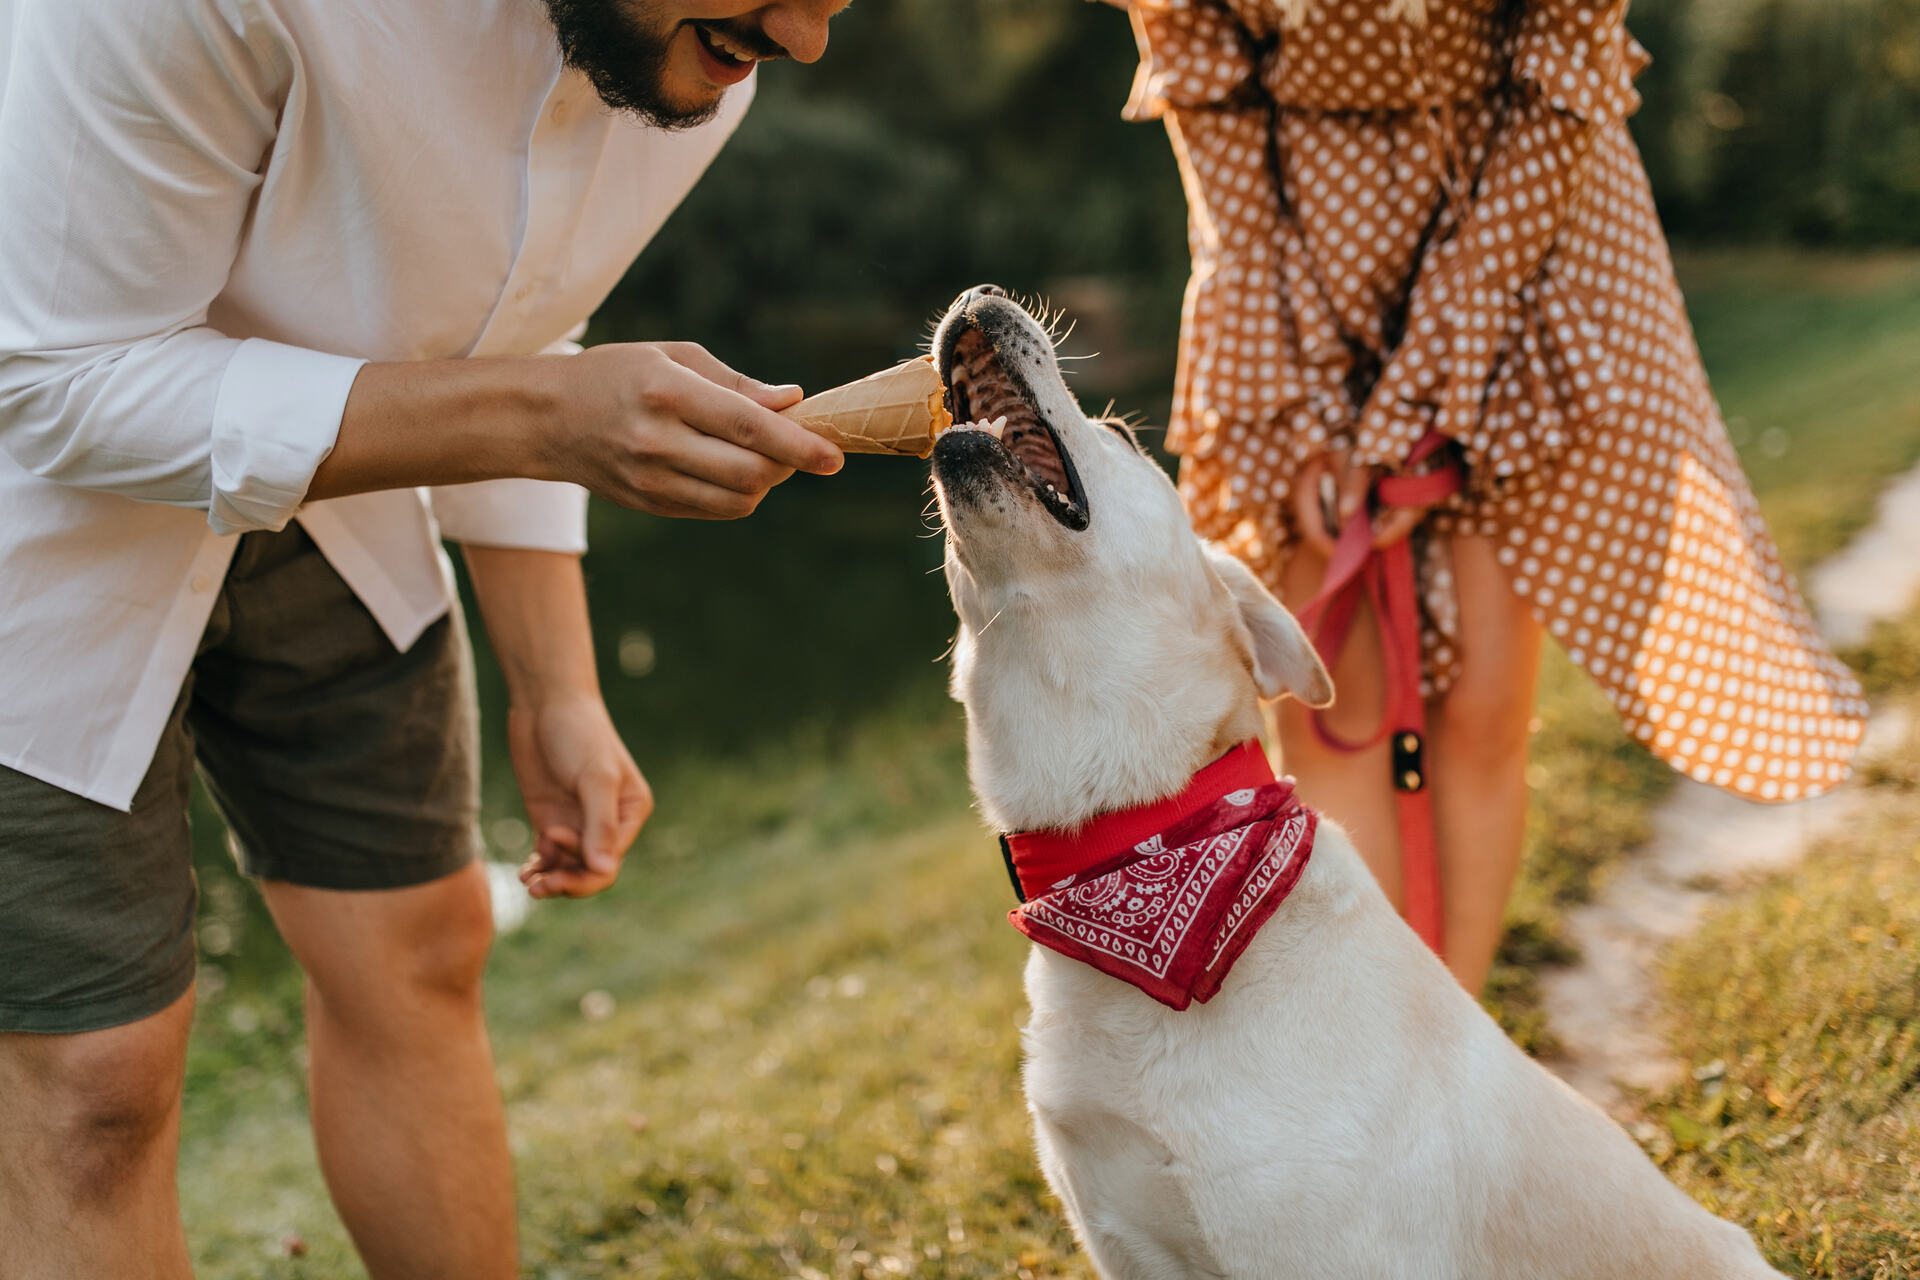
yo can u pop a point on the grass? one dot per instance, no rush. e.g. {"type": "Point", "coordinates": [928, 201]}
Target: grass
{"type": "Point", "coordinates": [1798, 1005]}
{"type": "Point", "coordinates": [786, 1044]}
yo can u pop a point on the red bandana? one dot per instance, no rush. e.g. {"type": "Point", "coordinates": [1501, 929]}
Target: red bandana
{"type": "Point", "coordinates": [1167, 895]}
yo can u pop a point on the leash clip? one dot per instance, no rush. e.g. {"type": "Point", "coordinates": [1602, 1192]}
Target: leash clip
{"type": "Point", "coordinates": [1409, 761]}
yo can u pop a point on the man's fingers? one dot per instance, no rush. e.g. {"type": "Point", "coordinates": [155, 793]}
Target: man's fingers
{"type": "Point", "coordinates": [729, 416]}
{"type": "Point", "coordinates": [764, 433]}
{"type": "Point", "coordinates": [725, 465]}
{"type": "Point", "coordinates": [602, 844]}
{"type": "Point", "coordinates": [784, 396]}
{"type": "Point", "coordinates": [569, 884]}
{"type": "Point", "coordinates": [668, 492]}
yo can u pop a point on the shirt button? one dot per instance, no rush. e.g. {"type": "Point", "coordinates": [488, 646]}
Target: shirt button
{"type": "Point", "coordinates": [524, 292]}
{"type": "Point", "coordinates": [201, 583]}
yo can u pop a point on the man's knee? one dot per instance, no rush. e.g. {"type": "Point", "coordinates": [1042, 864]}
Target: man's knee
{"type": "Point", "coordinates": [446, 954]}
{"type": "Point", "coordinates": [424, 946]}
{"type": "Point", "coordinates": [97, 1107]}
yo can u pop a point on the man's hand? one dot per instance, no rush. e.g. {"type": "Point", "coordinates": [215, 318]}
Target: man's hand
{"type": "Point", "coordinates": [662, 426]}
{"type": "Point", "coordinates": [669, 429]}
{"type": "Point", "coordinates": [584, 796]}
{"type": "Point", "coordinates": [582, 792]}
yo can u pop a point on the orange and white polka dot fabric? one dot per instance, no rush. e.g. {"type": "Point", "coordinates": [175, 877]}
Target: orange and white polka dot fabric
{"type": "Point", "coordinates": [1439, 221]}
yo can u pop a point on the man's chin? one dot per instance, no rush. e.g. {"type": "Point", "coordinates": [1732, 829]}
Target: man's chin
{"type": "Point", "coordinates": [635, 70]}
{"type": "Point", "coordinates": [657, 108]}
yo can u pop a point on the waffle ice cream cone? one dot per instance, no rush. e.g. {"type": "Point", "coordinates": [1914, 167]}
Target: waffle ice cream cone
{"type": "Point", "coordinates": [897, 411]}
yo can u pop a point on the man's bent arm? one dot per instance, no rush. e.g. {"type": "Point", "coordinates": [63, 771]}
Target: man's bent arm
{"type": "Point", "coordinates": [664, 427]}
{"type": "Point", "coordinates": [132, 140]}
{"type": "Point", "coordinates": [584, 796]}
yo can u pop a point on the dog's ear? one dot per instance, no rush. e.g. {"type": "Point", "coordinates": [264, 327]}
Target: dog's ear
{"type": "Point", "coordinates": [1283, 657]}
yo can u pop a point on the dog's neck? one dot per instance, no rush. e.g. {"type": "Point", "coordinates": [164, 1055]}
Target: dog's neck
{"type": "Point", "coordinates": [1066, 721]}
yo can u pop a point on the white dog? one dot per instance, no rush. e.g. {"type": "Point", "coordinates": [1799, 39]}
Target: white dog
{"type": "Point", "coordinates": [1340, 1108]}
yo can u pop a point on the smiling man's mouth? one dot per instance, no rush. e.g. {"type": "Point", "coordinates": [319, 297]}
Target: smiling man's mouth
{"type": "Point", "coordinates": [737, 46]}
{"type": "Point", "coordinates": [981, 391]}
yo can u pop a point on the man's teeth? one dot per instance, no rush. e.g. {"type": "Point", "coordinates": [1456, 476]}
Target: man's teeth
{"type": "Point", "coordinates": [721, 43]}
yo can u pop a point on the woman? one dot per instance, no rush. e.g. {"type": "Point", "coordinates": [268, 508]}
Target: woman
{"type": "Point", "coordinates": [1423, 245]}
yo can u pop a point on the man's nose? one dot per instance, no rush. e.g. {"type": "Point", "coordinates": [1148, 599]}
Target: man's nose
{"type": "Point", "coordinates": [801, 27]}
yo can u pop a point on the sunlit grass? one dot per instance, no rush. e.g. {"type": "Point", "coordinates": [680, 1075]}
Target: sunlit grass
{"type": "Point", "coordinates": [1797, 1006]}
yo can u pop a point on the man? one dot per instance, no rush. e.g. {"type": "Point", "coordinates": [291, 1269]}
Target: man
{"type": "Point", "coordinates": [249, 249]}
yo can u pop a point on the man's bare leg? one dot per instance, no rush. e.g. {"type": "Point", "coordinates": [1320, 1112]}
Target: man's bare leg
{"type": "Point", "coordinates": [90, 1128]}
{"type": "Point", "coordinates": [406, 1112]}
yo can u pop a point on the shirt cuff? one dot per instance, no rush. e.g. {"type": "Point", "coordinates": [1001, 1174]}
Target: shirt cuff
{"type": "Point", "coordinates": [533, 515]}
{"type": "Point", "coordinates": [276, 418]}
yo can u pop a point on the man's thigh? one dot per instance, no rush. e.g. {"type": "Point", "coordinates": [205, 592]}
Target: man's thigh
{"type": "Point", "coordinates": [96, 905]}
{"type": "Point", "coordinates": [338, 761]}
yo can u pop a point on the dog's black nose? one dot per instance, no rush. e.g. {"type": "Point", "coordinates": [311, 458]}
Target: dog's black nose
{"type": "Point", "coordinates": [980, 291]}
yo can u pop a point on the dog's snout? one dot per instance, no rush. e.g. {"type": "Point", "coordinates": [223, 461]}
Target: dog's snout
{"type": "Point", "coordinates": [980, 291]}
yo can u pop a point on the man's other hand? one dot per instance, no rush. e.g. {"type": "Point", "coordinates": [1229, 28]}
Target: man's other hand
{"type": "Point", "coordinates": [583, 793]}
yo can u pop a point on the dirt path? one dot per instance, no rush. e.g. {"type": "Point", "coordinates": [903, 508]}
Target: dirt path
{"type": "Point", "coordinates": [1605, 1010]}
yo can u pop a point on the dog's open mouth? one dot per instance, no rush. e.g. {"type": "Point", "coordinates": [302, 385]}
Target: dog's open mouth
{"type": "Point", "coordinates": [980, 390]}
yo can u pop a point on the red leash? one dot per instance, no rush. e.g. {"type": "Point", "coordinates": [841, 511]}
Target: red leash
{"type": "Point", "coordinates": [1385, 577]}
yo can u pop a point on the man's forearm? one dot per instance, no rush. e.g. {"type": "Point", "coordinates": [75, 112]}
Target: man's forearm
{"type": "Point", "coordinates": [535, 607]}
{"type": "Point", "coordinates": [435, 422]}
{"type": "Point", "coordinates": [661, 426]}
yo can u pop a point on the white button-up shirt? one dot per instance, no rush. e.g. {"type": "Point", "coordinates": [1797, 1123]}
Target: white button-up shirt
{"type": "Point", "coordinates": [212, 212]}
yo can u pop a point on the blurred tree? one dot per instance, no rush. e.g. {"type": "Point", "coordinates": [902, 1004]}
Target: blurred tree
{"type": "Point", "coordinates": [1784, 119]}
{"type": "Point", "coordinates": [937, 145]}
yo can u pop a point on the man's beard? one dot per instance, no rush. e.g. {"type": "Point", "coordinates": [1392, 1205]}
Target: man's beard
{"type": "Point", "coordinates": [610, 42]}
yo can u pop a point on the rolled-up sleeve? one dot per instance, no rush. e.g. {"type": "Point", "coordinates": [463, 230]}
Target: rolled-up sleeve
{"type": "Point", "coordinates": [132, 137]}
{"type": "Point", "coordinates": [535, 515]}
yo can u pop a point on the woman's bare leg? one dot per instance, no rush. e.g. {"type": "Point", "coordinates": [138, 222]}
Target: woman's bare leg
{"type": "Point", "coordinates": [1354, 790]}
{"type": "Point", "coordinates": [1476, 751]}
{"type": "Point", "coordinates": [1477, 758]}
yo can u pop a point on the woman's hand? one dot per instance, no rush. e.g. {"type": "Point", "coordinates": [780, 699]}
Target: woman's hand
{"type": "Point", "coordinates": [1327, 492]}
{"type": "Point", "coordinates": [583, 794]}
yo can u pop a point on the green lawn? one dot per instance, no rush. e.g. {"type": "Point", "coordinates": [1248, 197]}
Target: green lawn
{"type": "Point", "coordinates": [786, 1044]}
{"type": "Point", "coordinates": [1798, 1006]}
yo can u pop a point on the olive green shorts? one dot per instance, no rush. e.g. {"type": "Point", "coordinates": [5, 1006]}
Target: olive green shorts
{"type": "Point", "coordinates": [337, 761]}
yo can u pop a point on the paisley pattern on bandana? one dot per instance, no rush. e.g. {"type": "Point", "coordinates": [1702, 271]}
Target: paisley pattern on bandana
{"type": "Point", "coordinates": [1172, 914]}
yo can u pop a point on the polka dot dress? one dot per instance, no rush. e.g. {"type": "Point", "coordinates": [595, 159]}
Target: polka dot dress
{"type": "Point", "coordinates": [1403, 225]}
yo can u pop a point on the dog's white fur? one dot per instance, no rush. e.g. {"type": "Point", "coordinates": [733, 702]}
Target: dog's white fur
{"type": "Point", "coordinates": [1341, 1108]}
